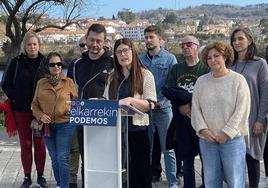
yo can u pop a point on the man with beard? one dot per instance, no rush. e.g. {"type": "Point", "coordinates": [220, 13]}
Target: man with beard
{"type": "Point", "coordinates": [89, 73]}
{"type": "Point", "coordinates": [184, 75]}
{"type": "Point", "coordinates": [159, 62]}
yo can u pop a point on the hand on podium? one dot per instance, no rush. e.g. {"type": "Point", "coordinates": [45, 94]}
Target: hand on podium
{"type": "Point", "coordinates": [125, 101]}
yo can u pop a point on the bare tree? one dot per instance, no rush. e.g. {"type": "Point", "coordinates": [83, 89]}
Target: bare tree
{"type": "Point", "coordinates": [25, 15]}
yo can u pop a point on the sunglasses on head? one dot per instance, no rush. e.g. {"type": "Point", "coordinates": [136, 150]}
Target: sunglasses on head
{"type": "Point", "coordinates": [82, 45]}
{"type": "Point", "coordinates": [59, 64]}
{"type": "Point", "coordinates": [187, 44]}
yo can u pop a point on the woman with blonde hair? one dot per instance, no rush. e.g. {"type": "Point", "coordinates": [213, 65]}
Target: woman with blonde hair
{"type": "Point", "coordinates": [19, 84]}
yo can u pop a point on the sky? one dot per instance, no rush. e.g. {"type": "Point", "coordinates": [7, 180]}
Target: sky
{"type": "Point", "coordinates": [108, 8]}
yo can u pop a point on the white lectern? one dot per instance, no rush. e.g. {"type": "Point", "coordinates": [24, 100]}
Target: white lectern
{"type": "Point", "coordinates": [103, 153]}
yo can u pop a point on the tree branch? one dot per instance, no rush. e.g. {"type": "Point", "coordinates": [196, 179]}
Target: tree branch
{"type": "Point", "coordinates": [12, 11]}
{"type": "Point", "coordinates": [54, 26]}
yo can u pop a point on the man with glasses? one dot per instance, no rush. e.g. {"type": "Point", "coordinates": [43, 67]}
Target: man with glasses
{"type": "Point", "coordinates": [184, 75]}
{"type": "Point", "coordinates": [159, 62]}
{"type": "Point", "coordinates": [90, 72]}
{"type": "Point", "coordinates": [82, 44]}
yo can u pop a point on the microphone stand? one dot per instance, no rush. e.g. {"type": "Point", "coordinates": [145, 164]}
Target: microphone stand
{"type": "Point", "coordinates": [126, 132]}
{"type": "Point", "coordinates": [119, 87]}
{"type": "Point", "coordinates": [105, 71]}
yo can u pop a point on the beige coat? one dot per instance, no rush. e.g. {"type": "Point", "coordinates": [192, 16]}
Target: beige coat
{"type": "Point", "coordinates": [53, 101]}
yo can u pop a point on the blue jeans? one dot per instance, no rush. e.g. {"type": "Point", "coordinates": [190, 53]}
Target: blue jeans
{"type": "Point", "coordinates": [58, 145]}
{"type": "Point", "coordinates": [224, 161]}
{"type": "Point", "coordinates": [189, 172]}
{"type": "Point", "coordinates": [161, 119]}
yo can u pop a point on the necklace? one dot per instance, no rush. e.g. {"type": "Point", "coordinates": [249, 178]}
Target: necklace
{"type": "Point", "coordinates": [242, 70]}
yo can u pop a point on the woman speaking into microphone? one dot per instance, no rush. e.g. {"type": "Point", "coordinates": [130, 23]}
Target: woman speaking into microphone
{"type": "Point", "coordinates": [133, 84]}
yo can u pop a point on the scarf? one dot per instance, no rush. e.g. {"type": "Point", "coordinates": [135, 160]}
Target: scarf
{"type": "Point", "coordinates": [9, 118]}
{"type": "Point", "coordinates": [54, 80]}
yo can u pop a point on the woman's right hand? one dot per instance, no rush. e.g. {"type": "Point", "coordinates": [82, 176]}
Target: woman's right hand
{"type": "Point", "coordinates": [258, 128]}
{"type": "Point", "coordinates": [45, 119]}
{"type": "Point", "coordinates": [209, 136]}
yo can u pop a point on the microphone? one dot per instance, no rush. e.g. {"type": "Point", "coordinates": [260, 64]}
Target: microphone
{"type": "Point", "coordinates": [106, 70]}
{"type": "Point", "coordinates": [118, 90]}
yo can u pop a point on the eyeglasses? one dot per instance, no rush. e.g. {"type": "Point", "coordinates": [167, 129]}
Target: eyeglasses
{"type": "Point", "coordinates": [188, 44]}
{"type": "Point", "coordinates": [59, 64]}
{"type": "Point", "coordinates": [123, 51]}
{"type": "Point", "coordinates": [82, 45]}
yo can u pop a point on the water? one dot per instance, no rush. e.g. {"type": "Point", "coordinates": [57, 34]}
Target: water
{"type": "Point", "coordinates": [2, 72]}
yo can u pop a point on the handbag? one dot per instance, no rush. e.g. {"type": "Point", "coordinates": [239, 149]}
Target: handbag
{"type": "Point", "coordinates": [37, 128]}
{"type": "Point", "coordinates": [36, 125]}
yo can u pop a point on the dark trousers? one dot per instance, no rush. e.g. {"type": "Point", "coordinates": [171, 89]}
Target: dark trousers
{"type": "Point", "coordinates": [253, 171]}
{"type": "Point", "coordinates": [74, 158]}
{"type": "Point", "coordinates": [189, 173]}
{"type": "Point", "coordinates": [156, 156]}
{"type": "Point", "coordinates": [80, 137]}
{"type": "Point", "coordinates": [265, 158]}
{"type": "Point", "coordinates": [178, 163]}
{"type": "Point", "coordinates": [139, 160]}
{"type": "Point", "coordinates": [23, 121]}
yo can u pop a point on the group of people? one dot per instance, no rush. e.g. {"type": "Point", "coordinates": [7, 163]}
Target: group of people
{"type": "Point", "coordinates": [214, 104]}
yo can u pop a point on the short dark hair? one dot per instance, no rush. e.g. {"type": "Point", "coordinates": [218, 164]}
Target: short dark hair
{"type": "Point", "coordinates": [155, 29]}
{"type": "Point", "coordinates": [224, 49]}
{"type": "Point", "coordinates": [97, 28]}
{"type": "Point", "coordinates": [49, 56]}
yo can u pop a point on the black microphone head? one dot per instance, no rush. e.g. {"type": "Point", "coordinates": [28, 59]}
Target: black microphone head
{"type": "Point", "coordinates": [107, 69]}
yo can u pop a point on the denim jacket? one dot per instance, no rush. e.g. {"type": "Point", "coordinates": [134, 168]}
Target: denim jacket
{"type": "Point", "coordinates": [160, 66]}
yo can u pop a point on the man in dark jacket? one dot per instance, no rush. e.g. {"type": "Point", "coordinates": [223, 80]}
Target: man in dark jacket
{"type": "Point", "coordinates": [184, 75]}
{"type": "Point", "coordinates": [90, 73]}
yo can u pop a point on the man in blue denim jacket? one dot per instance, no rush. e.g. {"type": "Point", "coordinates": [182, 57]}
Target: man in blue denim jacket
{"type": "Point", "coordinates": [159, 62]}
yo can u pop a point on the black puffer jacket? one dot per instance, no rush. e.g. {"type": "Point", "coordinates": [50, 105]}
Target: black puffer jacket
{"type": "Point", "coordinates": [20, 79]}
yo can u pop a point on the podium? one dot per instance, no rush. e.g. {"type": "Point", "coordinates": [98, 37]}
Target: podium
{"type": "Point", "coordinates": [103, 152]}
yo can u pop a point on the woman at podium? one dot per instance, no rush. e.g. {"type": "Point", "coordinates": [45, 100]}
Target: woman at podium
{"type": "Point", "coordinates": [132, 84]}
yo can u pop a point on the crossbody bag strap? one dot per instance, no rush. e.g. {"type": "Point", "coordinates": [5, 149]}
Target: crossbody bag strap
{"type": "Point", "coordinates": [150, 110]}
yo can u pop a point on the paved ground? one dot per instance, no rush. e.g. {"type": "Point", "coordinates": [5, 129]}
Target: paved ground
{"type": "Point", "coordinates": [11, 172]}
